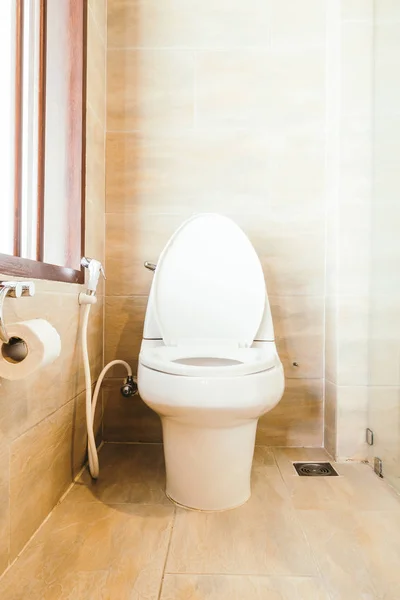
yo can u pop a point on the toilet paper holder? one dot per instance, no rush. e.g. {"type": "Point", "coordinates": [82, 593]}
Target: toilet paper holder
{"type": "Point", "coordinates": [12, 289]}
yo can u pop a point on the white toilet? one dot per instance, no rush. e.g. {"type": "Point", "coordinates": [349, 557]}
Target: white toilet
{"type": "Point", "coordinates": [208, 363]}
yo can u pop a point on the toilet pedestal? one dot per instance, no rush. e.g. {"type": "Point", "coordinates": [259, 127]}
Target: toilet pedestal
{"type": "Point", "coordinates": [208, 468]}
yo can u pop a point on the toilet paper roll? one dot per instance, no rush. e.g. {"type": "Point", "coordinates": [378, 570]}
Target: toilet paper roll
{"type": "Point", "coordinates": [39, 345]}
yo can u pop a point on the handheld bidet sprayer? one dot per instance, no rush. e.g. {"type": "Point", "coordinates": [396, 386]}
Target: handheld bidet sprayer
{"type": "Point", "coordinates": [95, 268]}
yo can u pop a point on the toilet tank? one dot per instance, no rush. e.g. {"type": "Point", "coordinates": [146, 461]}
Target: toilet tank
{"type": "Point", "coordinates": [151, 330]}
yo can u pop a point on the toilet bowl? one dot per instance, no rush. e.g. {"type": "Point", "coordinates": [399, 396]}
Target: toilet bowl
{"type": "Point", "coordinates": [208, 363]}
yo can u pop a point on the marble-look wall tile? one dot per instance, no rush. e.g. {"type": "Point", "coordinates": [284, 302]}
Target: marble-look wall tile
{"type": "Point", "coordinates": [350, 73]}
{"type": "Point", "coordinates": [353, 277]}
{"type": "Point", "coordinates": [353, 336]}
{"type": "Point", "coordinates": [298, 418]}
{"type": "Point", "coordinates": [384, 345]}
{"type": "Point", "coordinates": [355, 162]}
{"type": "Point", "coordinates": [149, 89]}
{"type": "Point", "coordinates": [189, 24]}
{"type": "Point", "coordinates": [233, 89]}
{"type": "Point", "coordinates": [357, 67]}
{"type": "Point", "coordinates": [124, 330]}
{"type": "Point", "coordinates": [387, 10]}
{"type": "Point", "coordinates": [40, 472]}
{"type": "Point", "coordinates": [194, 127]}
{"type": "Point", "coordinates": [128, 419]}
{"type": "Point", "coordinates": [99, 9]}
{"type": "Point", "coordinates": [387, 64]}
{"type": "Point", "coordinates": [357, 10]}
{"type": "Point", "coordinates": [94, 237]}
{"type": "Point", "coordinates": [131, 240]}
{"type": "Point", "coordinates": [305, 29]}
{"type": "Point", "coordinates": [20, 408]}
{"type": "Point", "coordinates": [387, 190]}
{"type": "Point", "coordinates": [331, 339]}
{"type": "Point", "coordinates": [384, 342]}
{"type": "Point", "coordinates": [159, 172]}
{"type": "Point", "coordinates": [96, 72]}
{"type": "Point", "coordinates": [27, 402]}
{"type": "Point", "coordinates": [290, 252]}
{"type": "Point", "coordinates": [386, 249]}
{"type": "Point", "coordinates": [352, 421]}
{"type": "Point", "coordinates": [4, 506]}
{"type": "Point", "coordinates": [330, 417]}
{"type": "Point", "coordinates": [384, 420]}
{"type": "Point", "coordinates": [299, 333]}
{"type": "Point", "coordinates": [345, 421]}
{"type": "Point", "coordinates": [95, 161]}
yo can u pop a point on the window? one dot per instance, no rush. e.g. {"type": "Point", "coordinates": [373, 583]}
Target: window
{"type": "Point", "coordinates": [42, 44]}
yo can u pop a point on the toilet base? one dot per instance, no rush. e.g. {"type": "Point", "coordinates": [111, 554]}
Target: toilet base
{"type": "Point", "coordinates": [203, 510]}
{"type": "Point", "coordinates": [208, 468]}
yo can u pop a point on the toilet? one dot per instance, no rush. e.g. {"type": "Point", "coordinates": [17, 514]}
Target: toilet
{"type": "Point", "coordinates": [208, 363]}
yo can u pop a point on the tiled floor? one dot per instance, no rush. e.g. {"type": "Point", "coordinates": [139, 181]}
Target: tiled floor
{"type": "Point", "coordinates": [335, 538]}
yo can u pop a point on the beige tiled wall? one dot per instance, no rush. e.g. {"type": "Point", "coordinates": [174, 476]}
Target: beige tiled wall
{"type": "Point", "coordinates": [42, 418]}
{"type": "Point", "coordinates": [349, 179]}
{"type": "Point", "coordinates": [216, 106]}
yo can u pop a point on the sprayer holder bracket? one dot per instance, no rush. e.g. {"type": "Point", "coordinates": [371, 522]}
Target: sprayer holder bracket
{"type": "Point", "coordinates": [12, 289]}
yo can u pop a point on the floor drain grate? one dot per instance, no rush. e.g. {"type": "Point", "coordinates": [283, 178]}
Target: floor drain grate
{"type": "Point", "coordinates": [322, 469]}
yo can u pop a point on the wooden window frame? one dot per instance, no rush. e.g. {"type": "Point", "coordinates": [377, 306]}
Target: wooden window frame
{"type": "Point", "coordinates": [14, 264]}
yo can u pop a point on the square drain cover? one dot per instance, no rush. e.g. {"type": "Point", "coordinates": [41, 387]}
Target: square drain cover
{"type": "Point", "coordinates": [314, 469]}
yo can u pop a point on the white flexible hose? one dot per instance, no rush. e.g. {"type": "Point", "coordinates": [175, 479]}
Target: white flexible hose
{"type": "Point", "coordinates": [91, 402]}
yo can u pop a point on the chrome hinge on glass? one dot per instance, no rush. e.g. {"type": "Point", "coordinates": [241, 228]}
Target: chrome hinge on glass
{"type": "Point", "coordinates": [369, 436]}
{"type": "Point", "coordinates": [378, 466]}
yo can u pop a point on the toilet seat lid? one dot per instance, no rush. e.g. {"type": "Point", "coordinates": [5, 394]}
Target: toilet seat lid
{"type": "Point", "coordinates": [209, 284]}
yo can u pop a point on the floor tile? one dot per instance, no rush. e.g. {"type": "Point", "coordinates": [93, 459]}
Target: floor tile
{"type": "Point", "coordinates": [335, 538]}
{"type": "Point", "coordinates": [381, 550]}
{"type": "Point", "coordinates": [264, 462]}
{"type": "Point", "coordinates": [351, 489]}
{"type": "Point", "coordinates": [233, 587]}
{"type": "Point", "coordinates": [358, 552]}
{"type": "Point", "coordinates": [93, 551]}
{"type": "Point", "coordinates": [248, 540]}
{"type": "Point", "coordinates": [284, 457]}
{"type": "Point", "coordinates": [129, 473]}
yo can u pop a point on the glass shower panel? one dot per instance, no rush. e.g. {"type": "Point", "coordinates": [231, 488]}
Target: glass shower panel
{"type": "Point", "coordinates": [384, 348]}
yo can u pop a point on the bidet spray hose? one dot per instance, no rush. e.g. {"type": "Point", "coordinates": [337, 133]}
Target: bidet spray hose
{"type": "Point", "coordinates": [91, 402]}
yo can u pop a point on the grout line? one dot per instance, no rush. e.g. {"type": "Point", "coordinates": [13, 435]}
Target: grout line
{"type": "Point", "coordinates": [167, 554]}
{"type": "Point", "coordinates": [265, 575]}
{"type": "Point", "coordinates": [174, 133]}
{"type": "Point", "coordinates": [279, 468]}
{"type": "Point", "coordinates": [313, 554]}
{"type": "Point", "coordinates": [134, 443]}
{"type": "Point", "coordinates": [267, 49]}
